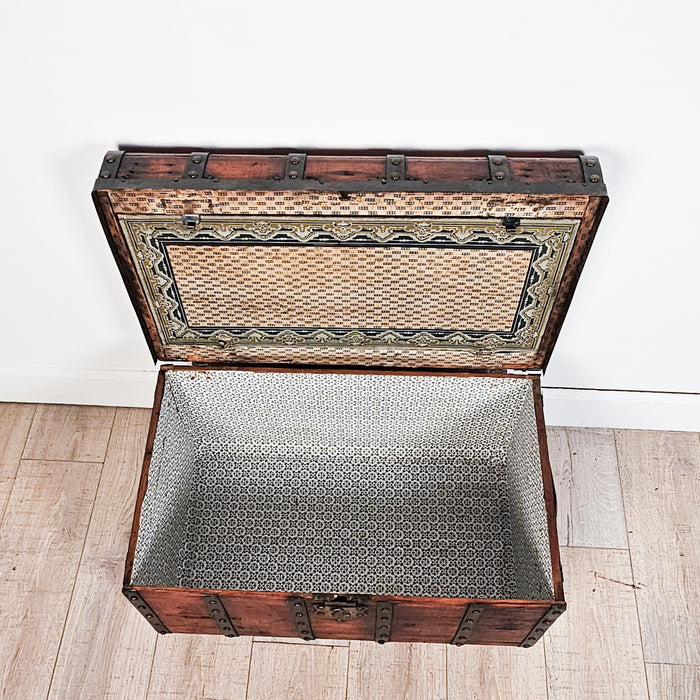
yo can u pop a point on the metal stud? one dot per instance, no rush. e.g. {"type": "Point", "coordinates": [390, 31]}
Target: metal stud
{"type": "Point", "coordinates": [542, 625]}
{"type": "Point", "coordinates": [218, 613]}
{"type": "Point", "coordinates": [140, 604]}
{"type": "Point", "coordinates": [471, 617]}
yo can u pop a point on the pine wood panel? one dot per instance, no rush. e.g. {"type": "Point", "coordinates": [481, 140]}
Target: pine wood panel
{"type": "Point", "coordinates": [188, 667]}
{"type": "Point", "coordinates": [15, 421]}
{"type": "Point", "coordinates": [661, 485]}
{"type": "Point", "coordinates": [70, 433]}
{"type": "Point", "coordinates": [673, 682]}
{"type": "Point", "coordinates": [496, 673]}
{"type": "Point", "coordinates": [594, 650]}
{"type": "Point", "coordinates": [41, 540]}
{"type": "Point", "coordinates": [416, 671]}
{"type": "Point", "coordinates": [107, 646]}
{"type": "Point", "coordinates": [589, 499]}
{"type": "Point", "coordinates": [297, 672]}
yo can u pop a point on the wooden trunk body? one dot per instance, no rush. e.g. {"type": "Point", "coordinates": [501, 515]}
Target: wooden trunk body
{"type": "Point", "coordinates": [356, 449]}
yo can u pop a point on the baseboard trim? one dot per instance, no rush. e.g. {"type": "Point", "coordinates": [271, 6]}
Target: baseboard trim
{"type": "Point", "coordinates": [571, 407]}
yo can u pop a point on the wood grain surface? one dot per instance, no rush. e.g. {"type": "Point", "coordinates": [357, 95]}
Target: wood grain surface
{"type": "Point", "coordinates": [416, 671]}
{"type": "Point", "coordinates": [297, 672]}
{"type": "Point", "coordinates": [594, 650]}
{"type": "Point", "coordinates": [476, 672]}
{"type": "Point", "coordinates": [15, 421]}
{"type": "Point", "coordinates": [661, 486]}
{"type": "Point", "coordinates": [70, 433]}
{"type": "Point", "coordinates": [589, 499]}
{"type": "Point", "coordinates": [109, 636]}
{"type": "Point", "coordinates": [673, 682]}
{"type": "Point", "coordinates": [41, 540]}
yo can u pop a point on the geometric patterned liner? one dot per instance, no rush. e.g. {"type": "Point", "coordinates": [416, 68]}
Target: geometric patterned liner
{"type": "Point", "coordinates": [247, 202]}
{"type": "Point", "coordinates": [330, 483]}
{"type": "Point", "coordinates": [236, 283]}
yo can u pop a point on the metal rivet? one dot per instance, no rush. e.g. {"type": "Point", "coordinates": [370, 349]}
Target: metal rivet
{"type": "Point", "coordinates": [531, 639]}
{"type": "Point", "coordinates": [104, 174]}
{"type": "Point", "coordinates": [196, 160]}
{"type": "Point", "coordinates": [141, 607]}
{"type": "Point", "coordinates": [590, 163]}
{"type": "Point", "coordinates": [133, 597]}
{"type": "Point", "coordinates": [294, 160]}
{"type": "Point", "coordinates": [192, 173]}
{"type": "Point", "coordinates": [293, 174]}
{"type": "Point", "coordinates": [498, 161]}
{"type": "Point", "coordinates": [222, 619]}
{"type": "Point", "coordinates": [306, 639]}
{"type": "Point", "coordinates": [395, 176]}
{"type": "Point", "coordinates": [149, 616]}
{"type": "Point", "coordinates": [476, 612]}
{"type": "Point", "coordinates": [297, 605]}
{"type": "Point", "coordinates": [216, 610]}
{"type": "Point", "coordinates": [111, 159]}
{"type": "Point", "coordinates": [163, 632]}
{"type": "Point", "coordinates": [230, 635]}
{"type": "Point", "coordinates": [499, 175]}
{"type": "Point", "coordinates": [305, 631]}
{"type": "Point", "coordinates": [556, 612]}
{"type": "Point", "coordinates": [300, 614]}
{"type": "Point", "coordinates": [594, 178]}
{"type": "Point", "coordinates": [381, 641]}
{"type": "Point", "coordinates": [526, 646]}
{"type": "Point", "coordinates": [395, 161]}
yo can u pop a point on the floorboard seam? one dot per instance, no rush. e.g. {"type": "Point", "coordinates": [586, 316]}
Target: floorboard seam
{"type": "Point", "coordinates": [629, 553]}
{"type": "Point", "coordinates": [19, 463]}
{"type": "Point", "coordinates": [82, 552]}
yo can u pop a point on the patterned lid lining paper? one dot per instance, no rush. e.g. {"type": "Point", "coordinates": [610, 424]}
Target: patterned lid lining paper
{"type": "Point", "coordinates": [441, 285]}
{"type": "Point", "coordinates": [367, 484]}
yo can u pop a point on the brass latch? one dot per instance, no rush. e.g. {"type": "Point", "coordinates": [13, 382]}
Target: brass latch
{"type": "Point", "coordinates": [340, 607]}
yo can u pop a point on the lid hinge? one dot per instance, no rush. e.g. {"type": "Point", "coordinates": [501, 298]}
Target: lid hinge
{"type": "Point", "coordinates": [395, 168]}
{"type": "Point", "coordinates": [591, 170]}
{"type": "Point", "coordinates": [295, 166]}
{"type": "Point", "coordinates": [196, 164]}
{"type": "Point", "coordinates": [499, 170]}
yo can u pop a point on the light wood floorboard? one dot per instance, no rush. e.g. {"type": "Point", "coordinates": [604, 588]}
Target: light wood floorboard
{"type": "Point", "coordinates": [41, 540]}
{"type": "Point", "coordinates": [106, 642]}
{"type": "Point", "coordinates": [15, 421]}
{"type": "Point", "coordinates": [661, 485]}
{"type": "Point", "coordinates": [497, 673]}
{"type": "Point", "coordinates": [70, 433]}
{"type": "Point", "coordinates": [201, 666]}
{"type": "Point", "coordinates": [673, 682]}
{"type": "Point", "coordinates": [589, 499]}
{"type": "Point", "coordinates": [67, 632]}
{"type": "Point", "coordinates": [416, 671]}
{"type": "Point", "coordinates": [297, 672]}
{"type": "Point", "coordinates": [594, 650]}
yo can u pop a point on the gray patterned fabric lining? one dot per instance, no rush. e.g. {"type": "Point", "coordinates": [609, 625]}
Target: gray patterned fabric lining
{"type": "Point", "coordinates": [375, 484]}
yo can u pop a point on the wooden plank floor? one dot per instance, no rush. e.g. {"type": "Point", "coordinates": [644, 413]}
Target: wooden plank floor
{"type": "Point", "coordinates": [629, 520]}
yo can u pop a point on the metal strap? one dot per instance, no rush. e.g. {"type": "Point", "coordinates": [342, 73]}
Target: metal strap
{"type": "Point", "coordinates": [383, 620]}
{"type": "Point", "coordinates": [499, 170]}
{"type": "Point", "coordinates": [295, 166]}
{"type": "Point", "coordinates": [469, 621]}
{"type": "Point", "coordinates": [591, 170]}
{"type": "Point", "coordinates": [543, 625]}
{"type": "Point", "coordinates": [300, 616]}
{"type": "Point", "coordinates": [217, 610]}
{"type": "Point", "coordinates": [110, 165]}
{"type": "Point", "coordinates": [140, 604]}
{"type": "Point", "coordinates": [395, 168]}
{"type": "Point", "coordinates": [196, 164]}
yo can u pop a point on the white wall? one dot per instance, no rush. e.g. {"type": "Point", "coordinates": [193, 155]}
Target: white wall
{"type": "Point", "coordinates": [615, 79]}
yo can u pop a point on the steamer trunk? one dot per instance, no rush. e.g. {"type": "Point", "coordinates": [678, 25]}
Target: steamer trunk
{"type": "Point", "coordinates": [353, 444]}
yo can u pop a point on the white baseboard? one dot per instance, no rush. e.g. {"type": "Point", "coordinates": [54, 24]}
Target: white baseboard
{"type": "Point", "coordinates": [572, 407]}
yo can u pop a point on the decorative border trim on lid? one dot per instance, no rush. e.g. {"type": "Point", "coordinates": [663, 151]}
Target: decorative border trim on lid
{"type": "Point", "coordinates": [550, 242]}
